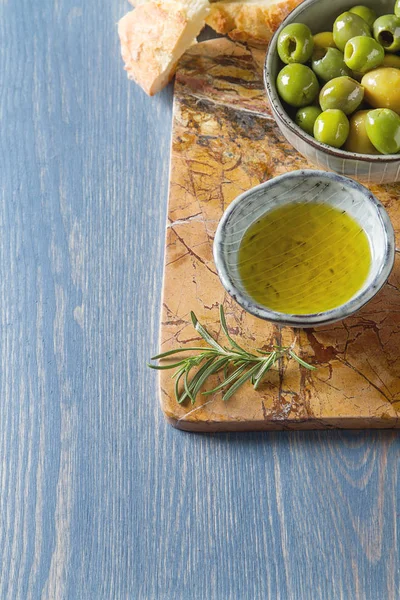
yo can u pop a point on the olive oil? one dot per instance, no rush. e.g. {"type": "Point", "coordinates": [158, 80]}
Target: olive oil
{"type": "Point", "coordinates": [304, 258]}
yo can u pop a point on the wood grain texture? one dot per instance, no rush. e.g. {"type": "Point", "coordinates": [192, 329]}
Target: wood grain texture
{"type": "Point", "coordinates": [100, 499]}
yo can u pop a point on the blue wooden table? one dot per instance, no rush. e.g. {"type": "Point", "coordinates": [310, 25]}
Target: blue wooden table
{"type": "Point", "coordinates": [100, 498]}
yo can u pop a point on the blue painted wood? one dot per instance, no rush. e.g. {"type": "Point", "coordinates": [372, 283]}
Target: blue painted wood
{"type": "Point", "coordinates": [100, 499]}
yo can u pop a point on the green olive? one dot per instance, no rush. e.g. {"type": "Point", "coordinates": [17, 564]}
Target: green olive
{"type": "Point", "coordinates": [382, 88]}
{"type": "Point", "coordinates": [366, 13]}
{"type": "Point", "coordinates": [397, 8]}
{"type": "Point", "coordinates": [332, 128]}
{"type": "Point", "coordinates": [387, 32]}
{"type": "Point", "coordinates": [306, 117]}
{"type": "Point", "coordinates": [297, 85]}
{"type": "Point", "coordinates": [358, 140]}
{"type": "Point", "coordinates": [324, 40]}
{"type": "Point", "coordinates": [391, 60]}
{"type": "Point", "coordinates": [347, 26]}
{"type": "Point", "coordinates": [362, 54]}
{"type": "Point", "coordinates": [342, 93]}
{"type": "Point", "coordinates": [295, 44]}
{"type": "Point", "coordinates": [383, 129]}
{"type": "Point", "coordinates": [328, 63]}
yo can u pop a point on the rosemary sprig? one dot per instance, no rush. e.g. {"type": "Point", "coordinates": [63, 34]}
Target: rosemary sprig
{"type": "Point", "coordinates": [246, 365]}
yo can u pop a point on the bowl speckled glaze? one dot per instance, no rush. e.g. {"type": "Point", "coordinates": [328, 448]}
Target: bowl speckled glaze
{"type": "Point", "coordinates": [305, 186]}
{"type": "Point", "coordinates": [320, 15]}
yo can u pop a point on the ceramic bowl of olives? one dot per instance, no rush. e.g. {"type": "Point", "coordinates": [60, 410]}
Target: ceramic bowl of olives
{"type": "Point", "coordinates": [332, 77]}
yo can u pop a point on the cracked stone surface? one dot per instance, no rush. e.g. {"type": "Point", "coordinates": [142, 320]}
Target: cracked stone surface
{"type": "Point", "coordinates": [225, 141]}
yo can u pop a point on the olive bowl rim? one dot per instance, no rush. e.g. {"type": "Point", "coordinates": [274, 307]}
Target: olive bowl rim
{"type": "Point", "coordinates": [339, 313]}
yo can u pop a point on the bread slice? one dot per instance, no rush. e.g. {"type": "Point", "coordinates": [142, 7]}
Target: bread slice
{"type": "Point", "coordinates": [155, 35]}
{"type": "Point", "coordinates": [249, 21]}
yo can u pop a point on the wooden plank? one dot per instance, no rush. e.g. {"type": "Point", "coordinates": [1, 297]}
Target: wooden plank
{"type": "Point", "coordinates": [100, 499]}
{"type": "Point", "coordinates": [225, 141]}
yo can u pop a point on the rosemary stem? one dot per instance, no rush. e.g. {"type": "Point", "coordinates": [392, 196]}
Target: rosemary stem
{"type": "Point", "coordinates": [216, 358]}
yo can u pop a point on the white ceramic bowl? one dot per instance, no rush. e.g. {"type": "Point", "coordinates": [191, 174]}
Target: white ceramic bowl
{"type": "Point", "coordinates": [309, 186]}
{"type": "Point", "coordinates": [320, 15]}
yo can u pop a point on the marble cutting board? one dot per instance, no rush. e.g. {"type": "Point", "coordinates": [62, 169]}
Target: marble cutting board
{"type": "Point", "coordinates": [225, 141]}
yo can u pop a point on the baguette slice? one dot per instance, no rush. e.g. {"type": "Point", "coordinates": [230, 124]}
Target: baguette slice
{"type": "Point", "coordinates": [155, 35]}
{"type": "Point", "coordinates": [250, 21]}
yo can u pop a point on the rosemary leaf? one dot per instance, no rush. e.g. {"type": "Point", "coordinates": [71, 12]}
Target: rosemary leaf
{"type": "Point", "coordinates": [186, 384]}
{"type": "Point", "coordinates": [179, 375]}
{"type": "Point", "coordinates": [211, 370]}
{"type": "Point", "coordinates": [226, 381]}
{"type": "Point", "coordinates": [171, 352]}
{"type": "Point", "coordinates": [240, 382]}
{"type": "Point", "coordinates": [226, 332]}
{"type": "Point", "coordinates": [196, 378]}
{"type": "Point", "coordinates": [266, 366]}
{"type": "Point", "coordinates": [301, 362]}
{"type": "Point", "coordinates": [226, 369]}
{"type": "Point", "coordinates": [204, 334]}
{"type": "Point", "coordinates": [166, 367]}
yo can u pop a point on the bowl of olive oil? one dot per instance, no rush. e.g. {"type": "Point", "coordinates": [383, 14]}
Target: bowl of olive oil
{"type": "Point", "coordinates": [304, 249]}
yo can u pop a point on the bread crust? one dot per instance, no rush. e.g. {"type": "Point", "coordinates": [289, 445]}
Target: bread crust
{"type": "Point", "coordinates": [251, 23]}
{"type": "Point", "coordinates": [149, 36]}
{"type": "Point", "coordinates": [152, 34]}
